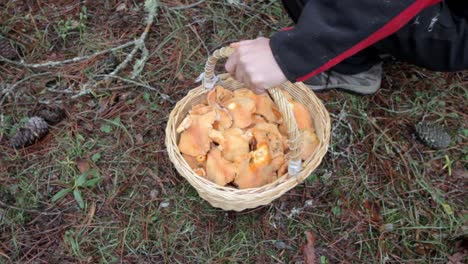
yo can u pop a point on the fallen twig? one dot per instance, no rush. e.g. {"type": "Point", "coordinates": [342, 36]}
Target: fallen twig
{"type": "Point", "coordinates": [4, 205]}
{"type": "Point", "coordinates": [151, 6]}
{"type": "Point", "coordinates": [139, 44]}
{"type": "Point", "coordinates": [162, 95]}
{"type": "Point", "coordinates": [186, 6]}
{"type": "Point", "coordinates": [7, 91]}
{"type": "Point", "coordinates": [72, 60]}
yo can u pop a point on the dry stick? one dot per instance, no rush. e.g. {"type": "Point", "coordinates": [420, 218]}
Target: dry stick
{"type": "Point", "coordinates": [73, 60]}
{"type": "Point", "coordinates": [139, 43]}
{"type": "Point", "coordinates": [4, 205]}
{"type": "Point", "coordinates": [4, 94]}
{"type": "Point", "coordinates": [186, 6]}
{"type": "Point", "coordinates": [373, 123]}
{"type": "Point", "coordinates": [139, 64]}
{"type": "Point", "coordinates": [162, 95]}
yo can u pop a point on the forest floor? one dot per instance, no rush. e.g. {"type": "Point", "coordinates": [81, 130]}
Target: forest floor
{"type": "Point", "coordinates": [379, 195]}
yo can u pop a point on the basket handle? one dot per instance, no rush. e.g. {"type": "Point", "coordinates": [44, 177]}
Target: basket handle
{"type": "Point", "coordinates": [209, 81]}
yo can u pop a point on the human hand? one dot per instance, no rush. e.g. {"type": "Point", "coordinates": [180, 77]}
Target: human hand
{"type": "Point", "coordinates": [253, 64]}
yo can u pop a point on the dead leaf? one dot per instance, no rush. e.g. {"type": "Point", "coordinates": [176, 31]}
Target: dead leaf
{"type": "Point", "coordinates": [139, 139]}
{"type": "Point", "coordinates": [460, 174]}
{"type": "Point", "coordinates": [309, 248]}
{"type": "Point", "coordinates": [121, 7]}
{"type": "Point", "coordinates": [107, 102]}
{"type": "Point", "coordinates": [91, 213]}
{"type": "Point", "coordinates": [4, 255]}
{"type": "Point", "coordinates": [83, 165]}
{"type": "Point", "coordinates": [374, 211]}
{"type": "Point", "coordinates": [457, 258]}
{"type": "Point", "coordinates": [180, 77]}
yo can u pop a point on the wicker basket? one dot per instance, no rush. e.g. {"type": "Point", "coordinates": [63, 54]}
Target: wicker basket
{"type": "Point", "coordinates": [229, 198]}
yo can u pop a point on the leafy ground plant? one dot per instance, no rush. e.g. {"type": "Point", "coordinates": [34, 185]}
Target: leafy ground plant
{"type": "Point", "coordinates": [81, 181]}
{"type": "Point", "coordinates": [99, 188]}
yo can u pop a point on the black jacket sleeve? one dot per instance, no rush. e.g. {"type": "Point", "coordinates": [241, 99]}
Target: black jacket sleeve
{"type": "Point", "coordinates": [329, 31]}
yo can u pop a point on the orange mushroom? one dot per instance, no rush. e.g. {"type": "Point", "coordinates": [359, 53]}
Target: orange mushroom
{"type": "Point", "coordinates": [233, 142]}
{"type": "Point", "coordinates": [269, 133]}
{"type": "Point", "coordinates": [241, 109]}
{"type": "Point", "coordinates": [283, 169]}
{"type": "Point", "coordinates": [302, 116]}
{"type": "Point", "coordinates": [244, 92]}
{"type": "Point", "coordinates": [200, 109]}
{"type": "Point", "coordinates": [301, 113]}
{"type": "Point", "coordinates": [277, 162]}
{"type": "Point", "coordinates": [194, 139]}
{"type": "Point", "coordinates": [218, 169]}
{"type": "Point", "coordinates": [263, 105]}
{"type": "Point", "coordinates": [197, 163]}
{"type": "Point", "coordinates": [218, 95]}
{"type": "Point", "coordinates": [223, 118]}
{"type": "Point", "coordinates": [200, 171]}
{"type": "Point", "coordinates": [267, 108]}
{"type": "Point", "coordinates": [186, 123]}
{"type": "Point", "coordinates": [255, 169]}
{"type": "Point", "coordinates": [258, 119]}
{"type": "Point", "coordinates": [310, 142]}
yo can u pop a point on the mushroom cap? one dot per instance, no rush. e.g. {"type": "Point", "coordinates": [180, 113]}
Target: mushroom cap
{"type": "Point", "coordinates": [258, 119]}
{"type": "Point", "coordinates": [244, 92]}
{"type": "Point", "coordinates": [218, 169]}
{"type": "Point", "coordinates": [219, 95]}
{"type": "Point", "coordinates": [255, 169]}
{"type": "Point", "coordinates": [302, 116]}
{"type": "Point", "coordinates": [283, 169]}
{"type": "Point", "coordinates": [269, 133]}
{"type": "Point", "coordinates": [264, 105]}
{"type": "Point", "coordinates": [278, 162]}
{"type": "Point", "coordinates": [241, 109]}
{"type": "Point", "coordinates": [233, 142]}
{"type": "Point", "coordinates": [310, 142]}
{"type": "Point", "coordinates": [195, 162]}
{"type": "Point", "coordinates": [267, 108]}
{"type": "Point", "coordinates": [224, 119]}
{"type": "Point", "coordinates": [186, 123]}
{"type": "Point", "coordinates": [200, 109]}
{"type": "Point", "coordinates": [301, 113]}
{"type": "Point", "coordinates": [200, 171]}
{"type": "Point", "coordinates": [261, 156]}
{"type": "Point", "coordinates": [194, 140]}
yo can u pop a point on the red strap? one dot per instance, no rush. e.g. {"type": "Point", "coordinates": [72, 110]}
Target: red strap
{"type": "Point", "coordinates": [286, 28]}
{"type": "Point", "coordinates": [391, 27]}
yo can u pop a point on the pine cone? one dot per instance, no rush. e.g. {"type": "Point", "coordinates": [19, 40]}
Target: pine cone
{"type": "Point", "coordinates": [51, 115]}
{"type": "Point", "coordinates": [6, 49]}
{"type": "Point", "coordinates": [34, 130]}
{"type": "Point", "coordinates": [433, 135]}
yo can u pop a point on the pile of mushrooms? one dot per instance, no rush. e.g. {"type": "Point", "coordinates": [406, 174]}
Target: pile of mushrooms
{"type": "Point", "coordinates": [238, 138]}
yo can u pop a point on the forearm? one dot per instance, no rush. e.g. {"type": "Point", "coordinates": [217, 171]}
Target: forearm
{"type": "Point", "coordinates": [330, 31]}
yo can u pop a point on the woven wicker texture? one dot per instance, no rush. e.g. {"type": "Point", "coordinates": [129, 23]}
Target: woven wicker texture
{"type": "Point", "coordinates": [229, 198]}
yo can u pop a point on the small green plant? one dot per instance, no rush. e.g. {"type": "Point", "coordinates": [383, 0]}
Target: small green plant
{"type": "Point", "coordinates": [81, 181]}
{"type": "Point", "coordinates": [66, 27]}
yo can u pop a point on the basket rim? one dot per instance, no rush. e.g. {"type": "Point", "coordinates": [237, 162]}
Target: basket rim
{"type": "Point", "coordinates": [257, 191]}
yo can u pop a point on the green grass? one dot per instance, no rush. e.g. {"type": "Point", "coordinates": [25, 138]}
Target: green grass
{"type": "Point", "coordinates": [379, 196]}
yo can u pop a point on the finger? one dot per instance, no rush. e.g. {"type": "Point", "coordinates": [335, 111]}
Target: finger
{"type": "Point", "coordinates": [245, 43]}
{"type": "Point", "coordinates": [234, 44]}
{"type": "Point", "coordinates": [258, 89]}
{"type": "Point", "coordinates": [240, 75]}
{"type": "Point", "coordinates": [231, 63]}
